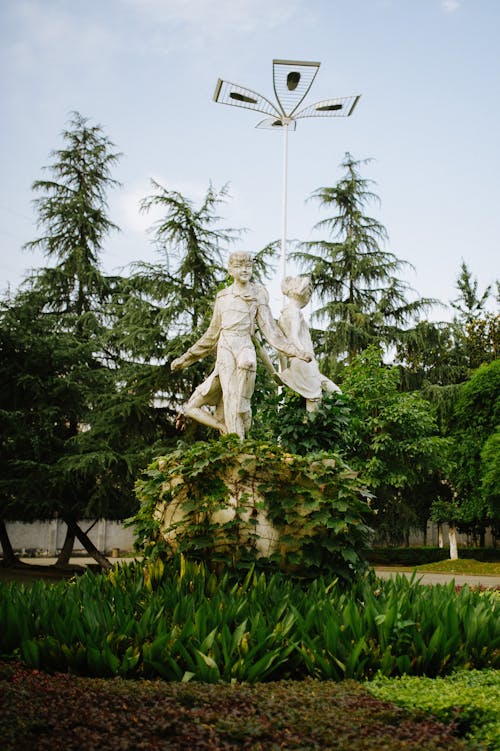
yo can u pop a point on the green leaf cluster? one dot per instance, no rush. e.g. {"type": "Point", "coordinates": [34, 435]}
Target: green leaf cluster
{"type": "Point", "coordinates": [396, 448]}
{"type": "Point", "coordinates": [316, 502]}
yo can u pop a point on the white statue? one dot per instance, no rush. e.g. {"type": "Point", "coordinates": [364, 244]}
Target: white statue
{"type": "Point", "coordinates": [302, 377]}
{"type": "Point", "coordinates": [238, 310]}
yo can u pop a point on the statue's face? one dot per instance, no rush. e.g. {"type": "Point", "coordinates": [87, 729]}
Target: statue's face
{"type": "Point", "coordinates": [240, 268]}
{"type": "Point", "coordinates": [304, 290]}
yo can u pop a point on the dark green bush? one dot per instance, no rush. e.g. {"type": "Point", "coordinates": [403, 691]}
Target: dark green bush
{"type": "Point", "coordinates": [184, 622]}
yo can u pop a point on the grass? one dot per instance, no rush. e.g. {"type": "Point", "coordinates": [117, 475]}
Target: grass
{"type": "Point", "coordinates": [460, 566]}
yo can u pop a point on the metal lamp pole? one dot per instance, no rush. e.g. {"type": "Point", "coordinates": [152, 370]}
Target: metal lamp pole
{"type": "Point", "coordinates": [292, 80]}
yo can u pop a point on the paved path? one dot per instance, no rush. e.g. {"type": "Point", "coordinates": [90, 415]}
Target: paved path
{"type": "Point", "coordinates": [436, 578]}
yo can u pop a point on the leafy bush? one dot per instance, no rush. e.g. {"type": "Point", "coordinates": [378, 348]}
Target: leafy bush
{"type": "Point", "coordinates": [284, 417]}
{"type": "Point", "coordinates": [316, 504]}
{"type": "Point", "coordinates": [185, 622]}
{"type": "Point", "coordinates": [470, 699]}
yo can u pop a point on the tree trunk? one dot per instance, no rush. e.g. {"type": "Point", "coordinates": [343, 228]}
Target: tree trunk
{"type": "Point", "coordinates": [87, 543]}
{"type": "Point", "coordinates": [9, 557]}
{"type": "Point", "coordinates": [67, 548]}
{"type": "Point", "coordinates": [452, 535]}
{"type": "Point", "coordinates": [440, 536]}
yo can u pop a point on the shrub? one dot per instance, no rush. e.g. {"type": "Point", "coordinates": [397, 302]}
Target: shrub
{"type": "Point", "coordinates": [470, 699]}
{"type": "Point", "coordinates": [64, 713]}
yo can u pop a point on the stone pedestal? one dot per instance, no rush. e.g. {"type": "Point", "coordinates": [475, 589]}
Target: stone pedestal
{"type": "Point", "coordinates": [233, 501]}
{"type": "Point", "coordinates": [243, 509]}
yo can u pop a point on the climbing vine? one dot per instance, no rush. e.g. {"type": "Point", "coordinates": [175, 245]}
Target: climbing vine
{"type": "Point", "coordinates": [216, 495]}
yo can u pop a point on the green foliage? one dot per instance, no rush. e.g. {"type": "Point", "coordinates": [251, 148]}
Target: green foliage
{"type": "Point", "coordinates": [191, 252]}
{"type": "Point", "coordinates": [482, 339]}
{"type": "Point", "coordinates": [470, 303]}
{"type": "Point", "coordinates": [396, 447]}
{"type": "Point", "coordinates": [316, 502]}
{"type": "Point", "coordinates": [95, 424]}
{"type": "Point", "coordinates": [432, 354]}
{"type": "Point", "coordinates": [490, 475]}
{"type": "Point", "coordinates": [42, 364]}
{"type": "Point", "coordinates": [442, 354]}
{"type": "Point", "coordinates": [475, 431]}
{"type": "Point", "coordinates": [53, 334]}
{"type": "Point", "coordinates": [284, 418]}
{"type": "Point", "coordinates": [72, 214]}
{"type": "Point", "coordinates": [469, 699]}
{"type": "Point", "coordinates": [184, 622]}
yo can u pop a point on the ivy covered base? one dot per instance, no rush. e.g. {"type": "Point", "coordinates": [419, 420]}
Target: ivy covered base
{"type": "Point", "coordinates": [248, 501]}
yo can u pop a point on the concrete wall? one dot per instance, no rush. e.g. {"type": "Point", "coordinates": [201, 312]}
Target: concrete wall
{"type": "Point", "coordinates": [417, 537]}
{"type": "Point", "coordinates": [47, 537]}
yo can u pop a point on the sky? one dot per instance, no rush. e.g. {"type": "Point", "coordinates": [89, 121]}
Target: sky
{"type": "Point", "coordinates": [428, 119]}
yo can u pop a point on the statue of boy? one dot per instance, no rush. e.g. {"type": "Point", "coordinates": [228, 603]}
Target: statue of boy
{"type": "Point", "coordinates": [238, 310]}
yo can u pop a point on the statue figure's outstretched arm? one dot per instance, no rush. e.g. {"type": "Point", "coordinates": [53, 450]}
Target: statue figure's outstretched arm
{"type": "Point", "coordinates": [205, 345]}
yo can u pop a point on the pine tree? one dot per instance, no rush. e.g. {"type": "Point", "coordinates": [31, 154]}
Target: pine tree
{"type": "Point", "coordinates": [63, 304]}
{"type": "Point", "coordinates": [470, 303]}
{"type": "Point", "coordinates": [72, 213]}
{"type": "Point", "coordinates": [362, 299]}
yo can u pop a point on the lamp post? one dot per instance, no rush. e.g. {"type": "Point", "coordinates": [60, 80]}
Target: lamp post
{"type": "Point", "coordinates": [292, 80]}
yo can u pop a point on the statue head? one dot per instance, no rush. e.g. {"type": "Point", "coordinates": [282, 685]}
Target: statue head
{"type": "Point", "coordinates": [298, 288]}
{"type": "Point", "coordinates": [240, 265]}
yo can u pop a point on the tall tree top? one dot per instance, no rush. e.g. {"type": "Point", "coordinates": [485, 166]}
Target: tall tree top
{"type": "Point", "coordinates": [470, 303]}
{"type": "Point", "coordinates": [72, 213]}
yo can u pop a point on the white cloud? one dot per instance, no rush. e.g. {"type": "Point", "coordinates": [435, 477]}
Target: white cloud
{"type": "Point", "coordinates": [52, 32]}
{"type": "Point", "coordinates": [126, 206]}
{"type": "Point", "coordinates": [450, 6]}
{"type": "Point", "coordinates": [219, 15]}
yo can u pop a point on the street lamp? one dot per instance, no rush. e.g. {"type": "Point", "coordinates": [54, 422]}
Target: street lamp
{"type": "Point", "coordinates": [292, 80]}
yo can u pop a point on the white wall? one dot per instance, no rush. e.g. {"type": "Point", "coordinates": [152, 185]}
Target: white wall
{"type": "Point", "coordinates": [47, 537]}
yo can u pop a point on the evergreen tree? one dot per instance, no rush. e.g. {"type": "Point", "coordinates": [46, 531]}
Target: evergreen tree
{"type": "Point", "coordinates": [72, 213]}
{"type": "Point", "coordinates": [478, 328]}
{"type": "Point", "coordinates": [63, 307]}
{"type": "Point", "coordinates": [470, 303]}
{"type": "Point", "coordinates": [432, 354]}
{"type": "Point", "coordinates": [362, 299]}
